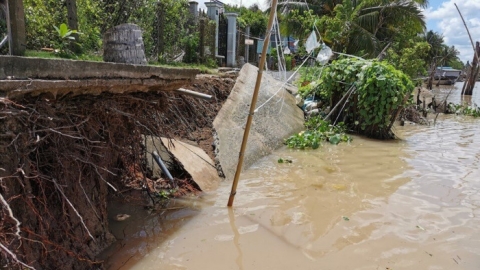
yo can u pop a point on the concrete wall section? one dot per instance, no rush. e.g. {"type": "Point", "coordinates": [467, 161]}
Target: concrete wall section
{"type": "Point", "coordinates": [50, 69]}
{"type": "Point", "coordinates": [20, 76]}
{"type": "Point", "coordinates": [271, 124]}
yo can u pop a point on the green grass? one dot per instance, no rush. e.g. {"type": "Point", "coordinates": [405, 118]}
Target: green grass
{"type": "Point", "coordinates": [94, 57]}
{"type": "Point", "coordinates": [53, 55]}
{"type": "Point", "coordinates": [202, 68]}
{"type": "Point", "coordinates": [41, 54]}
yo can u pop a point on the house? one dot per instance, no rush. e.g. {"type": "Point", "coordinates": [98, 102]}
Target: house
{"type": "Point", "coordinates": [447, 73]}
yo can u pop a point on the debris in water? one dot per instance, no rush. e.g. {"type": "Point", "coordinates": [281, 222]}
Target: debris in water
{"type": "Point", "coordinates": [339, 187]}
{"type": "Point", "coordinates": [281, 160]}
{"type": "Point", "coordinates": [345, 218]}
{"type": "Point", "coordinates": [420, 227]}
{"type": "Point", "coordinates": [121, 217]}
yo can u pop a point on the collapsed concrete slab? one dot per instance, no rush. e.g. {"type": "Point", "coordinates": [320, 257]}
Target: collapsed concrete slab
{"type": "Point", "coordinates": [193, 159]}
{"type": "Point", "coordinates": [272, 123]}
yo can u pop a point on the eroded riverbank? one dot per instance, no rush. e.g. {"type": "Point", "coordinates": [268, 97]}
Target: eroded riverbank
{"type": "Point", "coordinates": [406, 204]}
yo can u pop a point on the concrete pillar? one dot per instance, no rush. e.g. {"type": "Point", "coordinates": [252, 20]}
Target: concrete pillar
{"type": "Point", "coordinates": [194, 9]}
{"type": "Point", "coordinates": [213, 12]}
{"type": "Point", "coordinates": [231, 39]}
{"type": "Point", "coordinates": [247, 47]}
{"type": "Point", "coordinates": [16, 29]}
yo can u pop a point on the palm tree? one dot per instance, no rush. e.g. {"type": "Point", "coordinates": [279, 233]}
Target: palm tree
{"type": "Point", "coordinates": [361, 26]}
{"type": "Point", "coordinates": [435, 40]}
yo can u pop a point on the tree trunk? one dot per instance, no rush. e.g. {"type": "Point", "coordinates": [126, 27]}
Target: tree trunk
{"type": "Point", "coordinates": [472, 77]}
{"type": "Point", "coordinates": [124, 44]}
{"type": "Point", "coordinates": [73, 23]}
{"type": "Point", "coordinates": [160, 45]}
{"type": "Point", "coordinates": [17, 35]}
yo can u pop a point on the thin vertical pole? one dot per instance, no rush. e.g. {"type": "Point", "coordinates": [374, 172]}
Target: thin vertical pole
{"type": "Point", "coordinates": [73, 23]}
{"type": "Point", "coordinates": [273, 11]}
{"type": "Point", "coordinates": [17, 34]}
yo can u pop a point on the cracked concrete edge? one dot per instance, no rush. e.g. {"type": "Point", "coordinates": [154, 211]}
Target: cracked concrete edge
{"type": "Point", "coordinates": [21, 68]}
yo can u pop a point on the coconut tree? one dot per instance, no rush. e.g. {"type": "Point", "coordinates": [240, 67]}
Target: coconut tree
{"type": "Point", "coordinates": [435, 40]}
{"type": "Point", "coordinates": [361, 26]}
{"type": "Point", "coordinates": [366, 26]}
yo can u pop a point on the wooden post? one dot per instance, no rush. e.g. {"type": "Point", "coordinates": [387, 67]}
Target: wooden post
{"type": "Point", "coordinates": [17, 34]}
{"type": "Point", "coordinates": [473, 74]}
{"type": "Point", "coordinates": [202, 40]}
{"type": "Point", "coordinates": [433, 70]}
{"type": "Point", "coordinates": [73, 23]}
{"type": "Point", "coordinates": [160, 46]}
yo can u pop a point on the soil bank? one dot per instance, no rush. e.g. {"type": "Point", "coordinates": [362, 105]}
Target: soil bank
{"type": "Point", "coordinates": [61, 158]}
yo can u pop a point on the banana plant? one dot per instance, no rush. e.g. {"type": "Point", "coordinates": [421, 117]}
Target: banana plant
{"type": "Point", "coordinates": [64, 32]}
{"type": "Point", "coordinates": [66, 39]}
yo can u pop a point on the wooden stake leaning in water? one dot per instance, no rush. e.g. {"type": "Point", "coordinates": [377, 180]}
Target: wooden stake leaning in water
{"type": "Point", "coordinates": [261, 65]}
{"type": "Point", "coordinates": [468, 32]}
{"type": "Point", "coordinates": [470, 82]}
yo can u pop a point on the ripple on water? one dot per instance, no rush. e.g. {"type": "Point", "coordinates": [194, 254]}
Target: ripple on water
{"type": "Point", "coordinates": [412, 203]}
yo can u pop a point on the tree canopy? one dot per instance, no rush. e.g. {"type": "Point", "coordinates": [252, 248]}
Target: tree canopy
{"type": "Point", "coordinates": [366, 27]}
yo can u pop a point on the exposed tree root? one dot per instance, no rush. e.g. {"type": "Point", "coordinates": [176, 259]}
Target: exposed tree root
{"type": "Point", "coordinates": [59, 159]}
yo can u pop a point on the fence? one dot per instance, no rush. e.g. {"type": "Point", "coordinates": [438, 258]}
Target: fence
{"type": "Point", "coordinates": [4, 46]}
{"type": "Point", "coordinates": [173, 30]}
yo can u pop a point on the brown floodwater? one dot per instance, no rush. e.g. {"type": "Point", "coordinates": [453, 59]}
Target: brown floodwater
{"type": "Point", "coordinates": [411, 203]}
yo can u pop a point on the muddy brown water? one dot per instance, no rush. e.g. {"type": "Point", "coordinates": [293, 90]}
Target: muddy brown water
{"type": "Point", "coordinates": [412, 203]}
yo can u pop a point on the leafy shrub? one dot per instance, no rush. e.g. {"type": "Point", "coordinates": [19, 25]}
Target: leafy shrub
{"type": "Point", "coordinates": [463, 110]}
{"type": "Point", "coordinates": [288, 62]}
{"type": "Point", "coordinates": [40, 17]}
{"type": "Point", "coordinates": [380, 92]}
{"type": "Point", "coordinates": [65, 39]}
{"type": "Point", "coordinates": [191, 48]}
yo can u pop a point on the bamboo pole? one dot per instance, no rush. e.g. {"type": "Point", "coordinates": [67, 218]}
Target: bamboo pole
{"type": "Point", "coordinates": [273, 11]}
{"type": "Point", "coordinates": [468, 32]}
{"type": "Point", "coordinates": [470, 82]}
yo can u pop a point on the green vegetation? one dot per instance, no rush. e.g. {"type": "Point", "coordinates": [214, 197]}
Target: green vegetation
{"type": "Point", "coordinates": [365, 28]}
{"type": "Point", "coordinates": [354, 27]}
{"type": "Point", "coordinates": [252, 16]}
{"type": "Point", "coordinates": [410, 60]}
{"type": "Point", "coordinates": [46, 28]}
{"type": "Point", "coordinates": [166, 194]}
{"type": "Point", "coordinates": [281, 160]}
{"type": "Point", "coordinates": [318, 131]}
{"type": "Point", "coordinates": [372, 107]}
{"type": "Point", "coordinates": [65, 40]}
{"type": "Point", "coordinates": [463, 110]}
{"type": "Point", "coordinates": [52, 55]}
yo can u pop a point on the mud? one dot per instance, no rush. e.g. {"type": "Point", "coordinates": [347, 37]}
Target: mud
{"type": "Point", "coordinates": [410, 203]}
{"type": "Point", "coordinates": [61, 159]}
